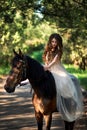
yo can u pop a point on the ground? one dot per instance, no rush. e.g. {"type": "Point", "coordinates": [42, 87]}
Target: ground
{"type": "Point", "coordinates": [17, 112]}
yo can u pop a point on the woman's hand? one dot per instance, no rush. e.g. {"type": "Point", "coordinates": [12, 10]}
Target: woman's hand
{"type": "Point", "coordinates": [46, 67]}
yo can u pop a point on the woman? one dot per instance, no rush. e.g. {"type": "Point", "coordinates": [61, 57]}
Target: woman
{"type": "Point", "coordinates": [69, 96]}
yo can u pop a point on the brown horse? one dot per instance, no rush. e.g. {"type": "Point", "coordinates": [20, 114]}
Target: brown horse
{"type": "Point", "coordinates": [43, 84]}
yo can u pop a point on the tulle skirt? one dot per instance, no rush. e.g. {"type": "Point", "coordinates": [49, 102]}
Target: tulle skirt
{"type": "Point", "coordinates": [69, 95]}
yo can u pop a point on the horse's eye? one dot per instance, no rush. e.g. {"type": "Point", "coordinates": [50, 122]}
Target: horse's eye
{"type": "Point", "coordinates": [11, 72]}
{"type": "Point", "coordinates": [18, 67]}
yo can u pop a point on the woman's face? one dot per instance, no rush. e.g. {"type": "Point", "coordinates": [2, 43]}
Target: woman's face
{"type": "Point", "coordinates": [54, 42]}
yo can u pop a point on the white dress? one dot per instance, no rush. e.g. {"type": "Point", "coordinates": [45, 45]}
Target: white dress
{"type": "Point", "coordinates": [69, 95]}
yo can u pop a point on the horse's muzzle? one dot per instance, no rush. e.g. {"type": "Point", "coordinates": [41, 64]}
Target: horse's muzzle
{"type": "Point", "coordinates": [9, 89]}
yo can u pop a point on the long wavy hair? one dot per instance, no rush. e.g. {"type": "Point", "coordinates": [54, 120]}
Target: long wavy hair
{"type": "Point", "coordinates": [48, 48]}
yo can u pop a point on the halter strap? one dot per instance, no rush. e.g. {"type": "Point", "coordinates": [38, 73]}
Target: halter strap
{"type": "Point", "coordinates": [24, 67]}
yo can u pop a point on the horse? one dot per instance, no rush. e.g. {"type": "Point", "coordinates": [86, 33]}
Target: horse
{"type": "Point", "coordinates": [44, 97]}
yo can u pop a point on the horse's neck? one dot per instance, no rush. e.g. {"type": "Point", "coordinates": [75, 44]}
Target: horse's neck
{"type": "Point", "coordinates": [35, 71]}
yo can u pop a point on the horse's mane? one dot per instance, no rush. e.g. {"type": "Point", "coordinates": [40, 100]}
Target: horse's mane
{"type": "Point", "coordinates": [36, 70]}
{"type": "Point", "coordinates": [42, 81]}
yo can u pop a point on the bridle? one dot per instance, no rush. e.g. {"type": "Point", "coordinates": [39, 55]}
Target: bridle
{"type": "Point", "coordinates": [24, 68]}
{"type": "Point", "coordinates": [20, 70]}
{"type": "Point", "coordinates": [24, 71]}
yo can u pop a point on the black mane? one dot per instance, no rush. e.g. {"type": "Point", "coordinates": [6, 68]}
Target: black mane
{"type": "Point", "coordinates": [41, 81]}
{"type": "Point", "coordinates": [36, 70]}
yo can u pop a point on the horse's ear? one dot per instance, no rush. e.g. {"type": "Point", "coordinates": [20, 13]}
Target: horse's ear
{"type": "Point", "coordinates": [15, 53]}
{"type": "Point", "coordinates": [20, 53]}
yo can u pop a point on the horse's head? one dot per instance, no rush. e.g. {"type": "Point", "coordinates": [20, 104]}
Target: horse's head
{"type": "Point", "coordinates": [16, 73]}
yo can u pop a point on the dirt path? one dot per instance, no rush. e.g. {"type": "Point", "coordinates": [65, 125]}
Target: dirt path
{"type": "Point", "coordinates": [17, 113]}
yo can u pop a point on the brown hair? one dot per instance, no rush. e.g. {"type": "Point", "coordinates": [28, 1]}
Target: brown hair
{"type": "Point", "coordinates": [48, 49]}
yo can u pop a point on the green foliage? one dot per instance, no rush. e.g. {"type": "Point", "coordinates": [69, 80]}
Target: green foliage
{"type": "Point", "coordinates": [66, 13]}
{"type": "Point", "coordinates": [37, 55]}
{"type": "Point", "coordinates": [4, 70]}
{"type": "Point", "coordinates": [26, 23]}
{"type": "Point", "coordinates": [36, 52]}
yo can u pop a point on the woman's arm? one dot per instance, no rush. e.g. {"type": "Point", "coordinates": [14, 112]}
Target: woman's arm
{"type": "Point", "coordinates": [55, 59]}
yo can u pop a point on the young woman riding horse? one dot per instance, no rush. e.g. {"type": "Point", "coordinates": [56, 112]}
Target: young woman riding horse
{"type": "Point", "coordinates": [43, 84]}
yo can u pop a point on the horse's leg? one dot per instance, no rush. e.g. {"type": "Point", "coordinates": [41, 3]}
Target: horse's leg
{"type": "Point", "coordinates": [69, 125]}
{"type": "Point", "coordinates": [39, 118]}
{"type": "Point", "coordinates": [48, 119]}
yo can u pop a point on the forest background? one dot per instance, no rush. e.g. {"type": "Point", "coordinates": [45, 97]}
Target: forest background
{"type": "Point", "coordinates": [27, 24]}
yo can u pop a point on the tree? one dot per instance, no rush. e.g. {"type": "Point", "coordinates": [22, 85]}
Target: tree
{"type": "Point", "coordinates": [70, 17]}
{"type": "Point", "coordinates": [14, 17]}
